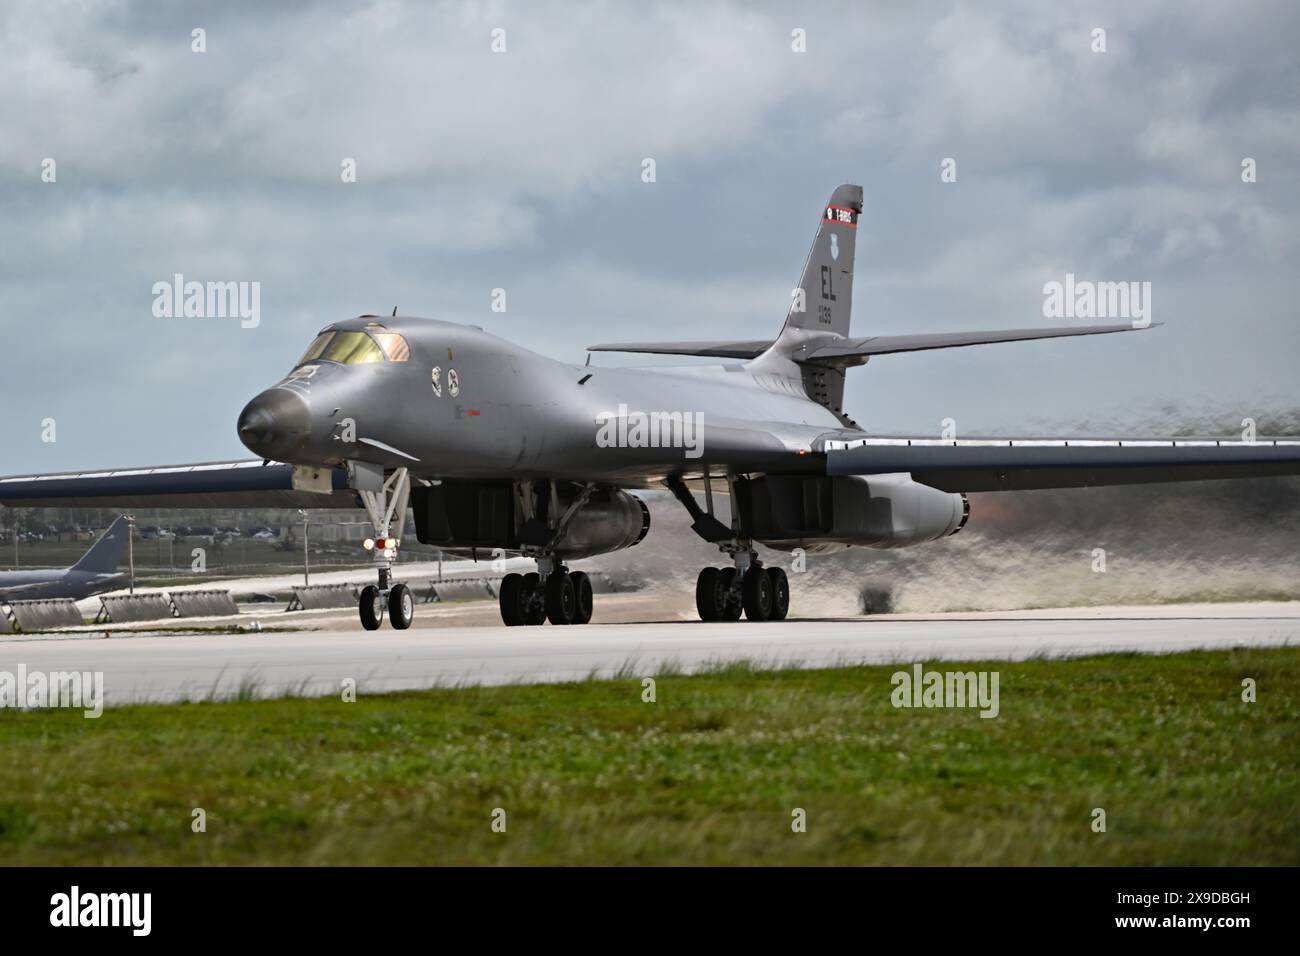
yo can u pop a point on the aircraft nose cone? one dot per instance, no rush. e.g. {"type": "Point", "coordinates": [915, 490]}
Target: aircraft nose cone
{"type": "Point", "coordinates": [275, 424]}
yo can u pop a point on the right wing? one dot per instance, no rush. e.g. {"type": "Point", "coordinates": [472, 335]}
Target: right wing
{"type": "Point", "coordinates": [1024, 464]}
{"type": "Point", "coordinates": [221, 484]}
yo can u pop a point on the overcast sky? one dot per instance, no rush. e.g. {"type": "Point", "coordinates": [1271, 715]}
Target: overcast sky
{"type": "Point", "coordinates": [523, 170]}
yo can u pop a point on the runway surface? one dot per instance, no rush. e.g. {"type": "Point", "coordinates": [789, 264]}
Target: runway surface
{"type": "Point", "coordinates": [181, 666]}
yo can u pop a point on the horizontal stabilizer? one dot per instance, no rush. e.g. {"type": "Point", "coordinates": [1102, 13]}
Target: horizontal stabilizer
{"type": "Point", "coordinates": [1018, 465]}
{"type": "Point", "coordinates": [847, 349]}
{"type": "Point", "coordinates": [740, 350]}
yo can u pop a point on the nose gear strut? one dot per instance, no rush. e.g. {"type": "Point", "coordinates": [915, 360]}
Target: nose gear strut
{"type": "Point", "coordinates": [386, 509]}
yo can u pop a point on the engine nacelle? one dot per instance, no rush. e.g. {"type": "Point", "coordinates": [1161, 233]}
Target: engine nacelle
{"type": "Point", "coordinates": [619, 521]}
{"type": "Point", "coordinates": [467, 516]}
{"type": "Point", "coordinates": [825, 513]}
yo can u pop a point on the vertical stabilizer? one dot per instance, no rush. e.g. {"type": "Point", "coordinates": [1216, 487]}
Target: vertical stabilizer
{"type": "Point", "coordinates": [827, 280]}
{"type": "Point", "coordinates": [106, 553]}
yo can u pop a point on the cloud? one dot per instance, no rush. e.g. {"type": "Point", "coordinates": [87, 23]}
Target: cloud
{"type": "Point", "coordinates": [412, 92]}
{"type": "Point", "coordinates": [521, 170]}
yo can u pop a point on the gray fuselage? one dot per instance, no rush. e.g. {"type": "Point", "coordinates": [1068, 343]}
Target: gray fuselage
{"type": "Point", "coordinates": [44, 583]}
{"type": "Point", "coordinates": [517, 413]}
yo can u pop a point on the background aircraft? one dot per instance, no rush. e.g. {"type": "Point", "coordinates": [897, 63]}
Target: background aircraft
{"type": "Point", "coordinates": [94, 573]}
{"type": "Point", "coordinates": [502, 451]}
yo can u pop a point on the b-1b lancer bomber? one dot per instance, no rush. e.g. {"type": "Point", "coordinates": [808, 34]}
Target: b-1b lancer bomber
{"type": "Point", "coordinates": [499, 450]}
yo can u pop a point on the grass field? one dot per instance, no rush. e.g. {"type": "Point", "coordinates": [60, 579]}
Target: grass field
{"type": "Point", "coordinates": [709, 774]}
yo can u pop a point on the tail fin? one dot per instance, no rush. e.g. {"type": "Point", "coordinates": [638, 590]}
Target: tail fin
{"type": "Point", "coordinates": [824, 299]}
{"type": "Point", "coordinates": [105, 554]}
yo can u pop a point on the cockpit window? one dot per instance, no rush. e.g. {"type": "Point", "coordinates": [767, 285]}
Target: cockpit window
{"type": "Point", "coordinates": [394, 346]}
{"type": "Point", "coordinates": [316, 348]}
{"type": "Point", "coordinates": [352, 348]}
{"type": "Point", "coordinates": [357, 348]}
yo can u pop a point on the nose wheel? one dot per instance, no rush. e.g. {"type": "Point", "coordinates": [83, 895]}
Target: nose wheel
{"type": "Point", "coordinates": [398, 603]}
{"type": "Point", "coordinates": [371, 608]}
{"type": "Point", "coordinates": [401, 607]}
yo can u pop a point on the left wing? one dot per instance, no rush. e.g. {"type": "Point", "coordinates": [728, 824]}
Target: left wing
{"type": "Point", "coordinates": [848, 351]}
{"type": "Point", "coordinates": [220, 484]}
{"type": "Point", "coordinates": [746, 350]}
{"type": "Point", "coordinates": [1024, 464]}
{"type": "Point", "coordinates": [890, 344]}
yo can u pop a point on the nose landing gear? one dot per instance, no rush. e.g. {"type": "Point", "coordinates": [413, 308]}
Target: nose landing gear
{"type": "Point", "coordinates": [386, 508]}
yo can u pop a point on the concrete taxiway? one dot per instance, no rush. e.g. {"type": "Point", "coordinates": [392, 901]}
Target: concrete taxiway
{"type": "Point", "coordinates": [171, 666]}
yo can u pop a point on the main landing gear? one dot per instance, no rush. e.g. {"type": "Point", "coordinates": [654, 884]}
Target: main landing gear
{"type": "Point", "coordinates": [722, 594]}
{"type": "Point", "coordinates": [387, 511]}
{"type": "Point", "coordinates": [552, 592]}
{"type": "Point", "coordinates": [561, 597]}
{"type": "Point", "coordinates": [763, 594]}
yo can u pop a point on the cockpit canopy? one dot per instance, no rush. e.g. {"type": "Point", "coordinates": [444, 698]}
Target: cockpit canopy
{"type": "Point", "coordinates": [372, 346]}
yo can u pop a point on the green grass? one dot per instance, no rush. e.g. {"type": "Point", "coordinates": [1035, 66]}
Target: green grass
{"type": "Point", "coordinates": [588, 774]}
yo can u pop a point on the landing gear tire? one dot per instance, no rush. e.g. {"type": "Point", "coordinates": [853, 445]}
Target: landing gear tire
{"type": "Point", "coordinates": [514, 600]}
{"type": "Point", "coordinates": [535, 599]}
{"type": "Point", "coordinates": [780, 594]}
{"type": "Point", "coordinates": [758, 594]}
{"type": "Point", "coordinates": [371, 608]}
{"type": "Point", "coordinates": [561, 600]}
{"type": "Point", "coordinates": [706, 595]}
{"type": "Point", "coordinates": [715, 598]}
{"type": "Point", "coordinates": [582, 598]}
{"type": "Point", "coordinates": [401, 607]}
{"type": "Point", "coordinates": [730, 602]}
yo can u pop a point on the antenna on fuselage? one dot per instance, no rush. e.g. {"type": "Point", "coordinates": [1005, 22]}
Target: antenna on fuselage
{"type": "Point", "coordinates": [394, 311]}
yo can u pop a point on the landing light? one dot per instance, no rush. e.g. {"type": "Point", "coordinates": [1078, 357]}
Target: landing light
{"type": "Point", "coordinates": [368, 544]}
